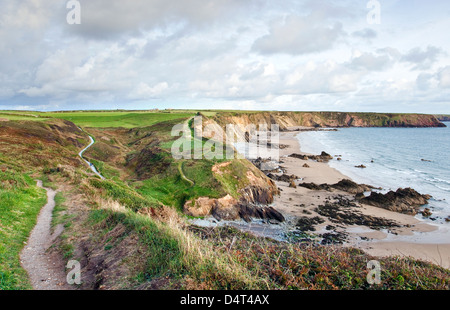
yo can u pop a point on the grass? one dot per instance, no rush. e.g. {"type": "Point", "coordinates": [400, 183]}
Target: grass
{"type": "Point", "coordinates": [117, 119]}
{"type": "Point", "coordinates": [172, 252]}
{"type": "Point", "coordinates": [20, 203]}
{"type": "Point", "coordinates": [303, 266]}
{"type": "Point", "coordinates": [105, 169]}
{"type": "Point", "coordinates": [124, 194]}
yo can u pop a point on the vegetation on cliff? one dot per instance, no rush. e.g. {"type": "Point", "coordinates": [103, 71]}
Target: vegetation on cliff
{"type": "Point", "coordinates": [129, 231]}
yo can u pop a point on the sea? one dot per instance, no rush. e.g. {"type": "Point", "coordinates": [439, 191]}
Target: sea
{"type": "Point", "coordinates": [418, 158]}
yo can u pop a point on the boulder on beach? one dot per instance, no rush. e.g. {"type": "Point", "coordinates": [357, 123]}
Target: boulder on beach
{"type": "Point", "coordinates": [324, 156]}
{"type": "Point", "coordinates": [404, 200]}
{"type": "Point", "coordinates": [351, 187]}
{"type": "Point", "coordinates": [283, 178]}
{"type": "Point", "coordinates": [426, 212]}
{"type": "Point", "coordinates": [345, 185]}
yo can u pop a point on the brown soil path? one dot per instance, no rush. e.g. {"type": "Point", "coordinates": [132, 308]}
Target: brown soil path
{"type": "Point", "coordinates": [45, 268]}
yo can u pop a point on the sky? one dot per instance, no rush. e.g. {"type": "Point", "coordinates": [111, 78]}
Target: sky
{"type": "Point", "coordinates": [294, 55]}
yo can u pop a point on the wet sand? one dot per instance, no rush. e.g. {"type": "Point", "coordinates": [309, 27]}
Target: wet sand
{"type": "Point", "coordinates": [302, 202]}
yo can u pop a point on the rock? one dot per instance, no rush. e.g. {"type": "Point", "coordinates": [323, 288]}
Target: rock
{"type": "Point", "coordinates": [339, 159]}
{"type": "Point", "coordinates": [299, 156]}
{"type": "Point", "coordinates": [333, 238]}
{"type": "Point", "coordinates": [349, 186]}
{"type": "Point", "coordinates": [229, 208]}
{"type": "Point", "coordinates": [406, 200]}
{"type": "Point", "coordinates": [257, 195]}
{"type": "Point", "coordinates": [292, 184]}
{"type": "Point", "coordinates": [201, 207]}
{"type": "Point", "coordinates": [326, 156]}
{"type": "Point", "coordinates": [320, 158]}
{"type": "Point", "coordinates": [315, 187]}
{"type": "Point", "coordinates": [283, 177]}
{"type": "Point", "coordinates": [306, 166]}
{"type": "Point", "coordinates": [426, 212]}
{"type": "Point", "coordinates": [265, 164]}
{"type": "Point", "coordinates": [247, 212]}
{"type": "Point", "coordinates": [344, 211]}
{"type": "Point", "coordinates": [307, 223]}
{"type": "Point", "coordinates": [226, 213]}
{"type": "Point", "coordinates": [361, 166]}
{"type": "Point", "coordinates": [343, 185]}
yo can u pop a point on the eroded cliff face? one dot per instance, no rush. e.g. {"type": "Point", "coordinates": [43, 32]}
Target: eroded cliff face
{"type": "Point", "coordinates": [251, 196]}
{"type": "Point", "coordinates": [245, 124]}
{"type": "Point", "coordinates": [327, 119]}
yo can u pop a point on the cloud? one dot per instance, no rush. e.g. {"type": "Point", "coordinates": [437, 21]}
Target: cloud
{"type": "Point", "coordinates": [422, 59]}
{"type": "Point", "coordinates": [444, 77]}
{"type": "Point", "coordinates": [366, 33]}
{"type": "Point", "coordinates": [216, 53]}
{"type": "Point", "coordinates": [324, 77]}
{"type": "Point", "coordinates": [110, 19]}
{"type": "Point", "coordinates": [298, 35]}
{"type": "Point", "coordinates": [370, 61]}
{"type": "Point", "coordinates": [144, 91]}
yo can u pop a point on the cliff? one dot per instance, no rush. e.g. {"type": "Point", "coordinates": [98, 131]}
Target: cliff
{"type": "Point", "coordinates": [327, 119]}
{"type": "Point", "coordinates": [443, 118]}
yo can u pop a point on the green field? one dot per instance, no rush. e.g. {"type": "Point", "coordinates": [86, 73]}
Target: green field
{"type": "Point", "coordinates": [100, 119]}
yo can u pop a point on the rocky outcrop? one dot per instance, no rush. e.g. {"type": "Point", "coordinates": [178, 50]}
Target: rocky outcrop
{"type": "Point", "coordinates": [251, 203]}
{"type": "Point", "coordinates": [247, 212]}
{"type": "Point", "coordinates": [351, 187]}
{"type": "Point", "coordinates": [343, 185]}
{"type": "Point", "coordinates": [320, 158]}
{"type": "Point", "coordinates": [406, 200]}
{"type": "Point", "coordinates": [283, 178]}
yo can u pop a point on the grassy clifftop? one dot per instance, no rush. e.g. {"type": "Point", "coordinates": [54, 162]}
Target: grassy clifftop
{"type": "Point", "coordinates": [328, 119]}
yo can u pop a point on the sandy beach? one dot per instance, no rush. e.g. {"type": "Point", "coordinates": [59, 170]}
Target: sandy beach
{"type": "Point", "coordinates": [398, 237]}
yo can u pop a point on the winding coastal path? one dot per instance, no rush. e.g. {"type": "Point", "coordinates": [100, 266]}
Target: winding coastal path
{"type": "Point", "coordinates": [86, 161]}
{"type": "Point", "coordinates": [45, 269]}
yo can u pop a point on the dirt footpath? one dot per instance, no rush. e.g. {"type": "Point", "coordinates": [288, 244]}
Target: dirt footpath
{"type": "Point", "coordinates": [45, 268]}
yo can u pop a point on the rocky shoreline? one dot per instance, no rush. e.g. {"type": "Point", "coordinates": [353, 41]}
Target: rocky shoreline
{"type": "Point", "coordinates": [317, 204]}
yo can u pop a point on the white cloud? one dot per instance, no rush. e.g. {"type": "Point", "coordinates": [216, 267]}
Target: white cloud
{"type": "Point", "coordinates": [297, 35]}
{"type": "Point", "coordinates": [444, 77]}
{"type": "Point", "coordinates": [306, 54]}
{"type": "Point", "coordinates": [144, 91]}
{"type": "Point", "coordinates": [370, 61]}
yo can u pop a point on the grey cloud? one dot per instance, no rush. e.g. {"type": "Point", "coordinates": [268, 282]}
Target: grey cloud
{"type": "Point", "coordinates": [108, 19]}
{"type": "Point", "coordinates": [366, 33]}
{"type": "Point", "coordinates": [422, 59]}
{"type": "Point", "coordinates": [423, 81]}
{"type": "Point", "coordinates": [371, 62]}
{"type": "Point", "coordinates": [298, 35]}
